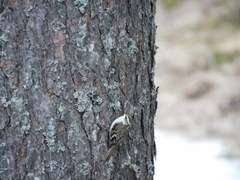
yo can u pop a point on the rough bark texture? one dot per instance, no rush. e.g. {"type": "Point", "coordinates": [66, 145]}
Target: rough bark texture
{"type": "Point", "coordinates": [68, 68]}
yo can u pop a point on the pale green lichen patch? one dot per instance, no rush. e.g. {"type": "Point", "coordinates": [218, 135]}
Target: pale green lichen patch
{"type": "Point", "coordinates": [112, 71]}
{"type": "Point", "coordinates": [80, 5]}
{"type": "Point", "coordinates": [20, 115]}
{"type": "Point", "coordinates": [86, 57]}
{"type": "Point", "coordinates": [97, 100]}
{"type": "Point", "coordinates": [106, 63]}
{"type": "Point", "coordinates": [53, 65]}
{"type": "Point", "coordinates": [75, 126]}
{"type": "Point", "coordinates": [84, 79]}
{"type": "Point", "coordinates": [51, 137]}
{"type": "Point", "coordinates": [115, 105]}
{"type": "Point", "coordinates": [52, 165]}
{"type": "Point", "coordinates": [82, 33]}
{"type": "Point", "coordinates": [83, 101]}
{"type": "Point", "coordinates": [94, 97]}
{"type": "Point", "coordinates": [61, 148]}
{"type": "Point", "coordinates": [153, 92]}
{"type": "Point", "coordinates": [150, 168]}
{"type": "Point", "coordinates": [3, 54]}
{"type": "Point", "coordinates": [97, 109]}
{"type": "Point", "coordinates": [86, 98]}
{"type": "Point", "coordinates": [109, 42]}
{"type": "Point", "coordinates": [132, 47]}
{"type": "Point", "coordinates": [3, 39]}
{"type": "Point", "coordinates": [57, 26]}
{"type": "Point", "coordinates": [4, 102]}
{"type": "Point", "coordinates": [142, 101]}
{"type": "Point", "coordinates": [61, 87]}
{"type": "Point", "coordinates": [144, 91]}
{"type": "Point", "coordinates": [128, 43]}
{"type": "Point", "coordinates": [86, 168]}
{"type": "Point", "coordinates": [28, 10]}
{"type": "Point", "coordinates": [94, 133]}
{"type": "Point", "coordinates": [111, 86]}
{"type": "Point", "coordinates": [73, 133]}
{"type": "Point", "coordinates": [50, 134]}
{"type": "Point", "coordinates": [93, 60]}
{"type": "Point", "coordinates": [61, 108]}
{"type": "Point", "coordinates": [132, 110]}
{"type": "Point", "coordinates": [18, 103]}
{"type": "Point", "coordinates": [25, 124]}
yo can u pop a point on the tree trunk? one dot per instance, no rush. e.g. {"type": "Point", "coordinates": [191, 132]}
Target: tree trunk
{"type": "Point", "coordinates": [68, 69]}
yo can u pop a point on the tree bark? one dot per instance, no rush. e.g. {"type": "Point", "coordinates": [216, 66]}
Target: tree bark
{"type": "Point", "coordinates": [68, 69]}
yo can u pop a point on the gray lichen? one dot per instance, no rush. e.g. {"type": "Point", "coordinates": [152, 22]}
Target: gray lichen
{"type": "Point", "coordinates": [132, 110]}
{"type": "Point", "coordinates": [3, 39]}
{"type": "Point", "coordinates": [20, 115]}
{"type": "Point", "coordinates": [3, 54]}
{"type": "Point", "coordinates": [50, 134]}
{"type": "Point", "coordinates": [144, 91]}
{"type": "Point", "coordinates": [53, 165]}
{"type": "Point", "coordinates": [97, 109]}
{"type": "Point", "coordinates": [53, 65]}
{"type": "Point", "coordinates": [106, 63]}
{"type": "Point", "coordinates": [97, 100]}
{"type": "Point", "coordinates": [83, 101]}
{"type": "Point", "coordinates": [112, 85]}
{"type": "Point", "coordinates": [84, 79]}
{"type": "Point", "coordinates": [80, 5]}
{"type": "Point", "coordinates": [61, 87]}
{"type": "Point", "coordinates": [86, 168]}
{"type": "Point", "coordinates": [115, 105]}
{"type": "Point", "coordinates": [27, 79]}
{"type": "Point", "coordinates": [132, 47]}
{"type": "Point", "coordinates": [82, 32]}
{"type": "Point", "coordinates": [28, 10]}
{"type": "Point", "coordinates": [74, 136]}
{"type": "Point", "coordinates": [153, 92]}
{"type": "Point", "coordinates": [137, 170]}
{"type": "Point", "coordinates": [142, 101]}
{"type": "Point", "coordinates": [25, 123]}
{"type": "Point", "coordinates": [151, 168]}
{"type": "Point", "coordinates": [61, 108]}
{"type": "Point", "coordinates": [61, 148]}
{"type": "Point", "coordinates": [92, 91]}
{"type": "Point", "coordinates": [95, 133]}
{"type": "Point", "coordinates": [87, 98]}
{"type": "Point", "coordinates": [109, 41]}
{"type": "Point", "coordinates": [4, 102]}
{"type": "Point", "coordinates": [112, 71]}
{"type": "Point", "coordinates": [57, 26]}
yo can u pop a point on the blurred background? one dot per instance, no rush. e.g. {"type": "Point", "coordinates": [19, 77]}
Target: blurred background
{"type": "Point", "coordinates": [198, 74]}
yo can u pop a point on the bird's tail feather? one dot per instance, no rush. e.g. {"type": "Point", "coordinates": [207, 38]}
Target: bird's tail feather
{"type": "Point", "coordinates": [110, 152]}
